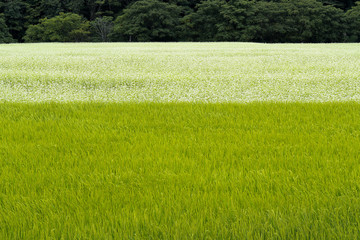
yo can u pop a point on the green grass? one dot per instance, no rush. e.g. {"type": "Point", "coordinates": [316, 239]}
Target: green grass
{"type": "Point", "coordinates": [179, 141]}
{"type": "Point", "coordinates": [179, 171]}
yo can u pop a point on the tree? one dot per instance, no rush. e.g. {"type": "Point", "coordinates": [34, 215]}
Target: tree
{"type": "Point", "coordinates": [103, 27]}
{"type": "Point", "coordinates": [353, 23]}
{"type": "Point", "coordinates": [14, 15]}
{"type": "Point", "coordinates": [343, 4]}
{"type": "Point", "coordinates": [266, 22]}
{"type": "Point", "coordinates": [148, 20]}
{"type": "Point", "coordinates": [5, 36]}
{"type": "Point", "coordinates": [181, 20]}
{"type": "Point", "coordinates": [50, 8]}
{"type": "Point", "coordinates": [74, 6]}
{"type": "Point", "coordinates": [294, 21]}
{"type": "Point", "coordinates": [202, 24]}
{"type": "Point", "coordinates": [234, 13]}
{"type": "Point", "coordinates": [218, 20]}
{"type": "Point", "coordinates": [66, 27]}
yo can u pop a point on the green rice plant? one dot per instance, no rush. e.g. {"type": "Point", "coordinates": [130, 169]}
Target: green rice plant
{"type": "Point", "coordinates": [179, 171]}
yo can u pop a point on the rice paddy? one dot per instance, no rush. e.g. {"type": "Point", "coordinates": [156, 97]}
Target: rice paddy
{"type": "Point", "coordinates": [179, 141]}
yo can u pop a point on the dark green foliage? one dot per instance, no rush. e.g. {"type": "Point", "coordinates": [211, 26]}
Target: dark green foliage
{"type": "Point", "coordinates": [343, 4]}
{"type": "Point", "coordinates": [5, 36]}
{"type": "Point", "coordinates": [294, 21]}
{"type": "Point", "coordinates": [75, 6]}
{"type": "Point", "coordinates": [281, 21]}
{"type": "Point", "coordinates": [202, 24]}
{"type": "Point", "coordinates": [102, 27]}
{"type": "Point", "coordinates": [66, 27]}
{"type": "Point", "coordinates": [205, 23]}
{"type": "Point", "coordinates": [353, 20]}
{"type": "Point", "coordinates": [14, 14]}
{"type": "Point", "coordinates": [148, 20]}
{"type": "Point", "coordinates": [195, 20]}
{"type": "Point", "coordinates": [51, 8]}
{"type": "Point", "coordinates": [218, 20]}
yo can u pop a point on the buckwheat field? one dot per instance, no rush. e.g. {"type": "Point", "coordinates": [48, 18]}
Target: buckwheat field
{"type": "Point", "coordinates": [179, 141]}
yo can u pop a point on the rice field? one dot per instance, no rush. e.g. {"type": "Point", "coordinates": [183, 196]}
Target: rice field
{"type": "Point", "coordinates": [179, 141]}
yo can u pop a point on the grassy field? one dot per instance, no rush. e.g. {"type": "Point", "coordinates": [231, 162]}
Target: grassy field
{"type": "Point", "coordinates": [179, 141]}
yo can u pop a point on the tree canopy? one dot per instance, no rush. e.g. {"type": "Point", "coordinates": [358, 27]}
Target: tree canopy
{"type": "Point", "coordinates": [148, 20]}
{"type": "Point", "coordinates": [5, 36]}
{"type": "Point", "coordinates": [66, 27]}
{"type": "Point", "coordinates": [179, 20]}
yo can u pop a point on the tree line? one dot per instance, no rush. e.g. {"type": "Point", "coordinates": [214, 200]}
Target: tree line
{"type": "Point", "coordinates": [269, 21]}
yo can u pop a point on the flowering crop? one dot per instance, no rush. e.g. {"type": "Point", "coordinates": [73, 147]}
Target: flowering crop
{"type": "Point", "coordinates": [179, 72]}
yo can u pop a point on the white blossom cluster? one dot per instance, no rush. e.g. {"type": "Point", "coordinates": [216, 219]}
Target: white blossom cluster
{"type": "Point", "coordinates": [179, 72]}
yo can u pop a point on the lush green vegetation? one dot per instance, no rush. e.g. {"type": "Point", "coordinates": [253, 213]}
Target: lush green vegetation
{"type": "Point", "coordinates": [175, 171]}
{"type": "Point", "coordinates": [195, 72]}
{"type": "Point", "coordinates": [180, 20]}
{"type": "Point", "coordinates": [179, 141]}
{"type": "Point", "coordinates": [5, 36]}
{"type": "Point", "coordinates": [67, 27]}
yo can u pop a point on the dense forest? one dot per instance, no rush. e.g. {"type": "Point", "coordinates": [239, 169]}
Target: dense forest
{"type": "Point", "coordinates": [269, 21]}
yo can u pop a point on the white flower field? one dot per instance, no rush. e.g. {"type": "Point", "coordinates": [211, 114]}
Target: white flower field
{"type": "Point", "coordinates": [179, 72]}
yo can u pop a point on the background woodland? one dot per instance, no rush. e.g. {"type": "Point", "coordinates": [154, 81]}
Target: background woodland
{"type": "Point", "coordinates": [271, 21]}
